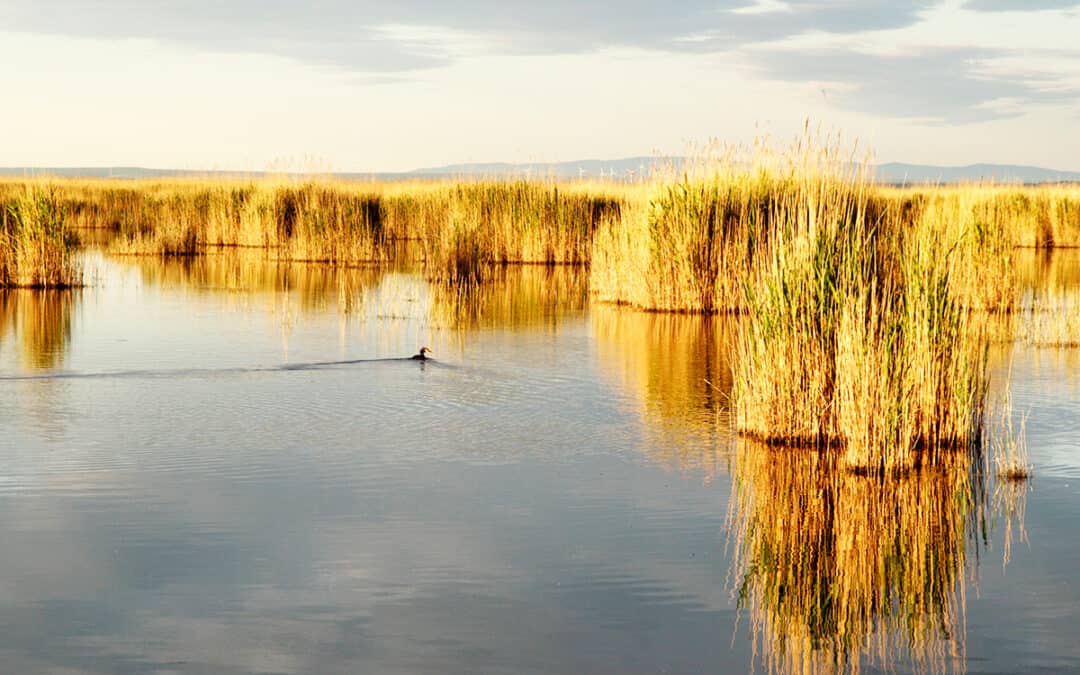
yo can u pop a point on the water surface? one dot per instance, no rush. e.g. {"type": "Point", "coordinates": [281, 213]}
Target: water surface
{"type": "Point", "coordinates": [228, 464]}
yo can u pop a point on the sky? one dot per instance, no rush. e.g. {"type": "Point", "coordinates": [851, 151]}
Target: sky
{"type": "Point", "coordinates": [360, 85]}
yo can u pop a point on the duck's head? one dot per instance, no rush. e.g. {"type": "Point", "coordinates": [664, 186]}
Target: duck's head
{"type": "Point", "coordinates": [424, 351]}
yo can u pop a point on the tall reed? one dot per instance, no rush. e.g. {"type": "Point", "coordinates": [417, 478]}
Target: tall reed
{"type": "Point", "coordinates": [492, 222]}
{"type": "Point", "coordinates": [36, 246]}
{"type": "Point", "coordinates": [306, 221]}
{"type": "Point", "coordinates": [698, 238]}
{"type": "Point", "coordinates": [854, 336]}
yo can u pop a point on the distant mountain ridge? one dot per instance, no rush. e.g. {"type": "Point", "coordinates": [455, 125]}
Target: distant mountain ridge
{"type": "Point", "coordinates": [896, 172]}
{"type": "Point", "coordinates": [626, 168]}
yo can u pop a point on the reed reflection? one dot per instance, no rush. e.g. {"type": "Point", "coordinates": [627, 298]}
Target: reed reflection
{"type": "Point", "coordinates": [530, 296]}
{"type": "Point", "coordinates": [677, 367]}
{"type": "Point", "coordinates": [836, 568]}
{"type": "Point", "coordinates": [37, 324]}
{"type": "Point", "coordinates": [1041, 269]}
{"type": "Point", "coordinates": [243, 272]}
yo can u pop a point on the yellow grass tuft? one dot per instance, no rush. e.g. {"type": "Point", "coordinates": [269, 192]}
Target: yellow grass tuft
{"type": "Point", "coordinates": [36, 245]}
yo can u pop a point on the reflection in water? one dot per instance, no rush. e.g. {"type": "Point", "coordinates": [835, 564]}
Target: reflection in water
{"type": "Point", "coordinates": [245, 271]}
{"type": "Point", "coordinates": [513, 297]}
{"type": "Point", "coordinates": [37, 323]}
{"type": "Point", "coordinates": [678, 368]}
{"type": "Point", "coordinates": [835, 567]}
{"type": "Point", "coordinates": [1010, 503]}
{"type": "Point", "coordinates": [517, 297]}
{"type": "Point", "coordinates": [343, 512]}
{"type": "Point", "coordinates": [1047, 268]}
{"type": "Point", "coordinates": [1050, 304]}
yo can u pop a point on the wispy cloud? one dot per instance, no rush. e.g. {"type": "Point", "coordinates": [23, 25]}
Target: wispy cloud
{"type": "Point", "coordinates": [527, 76]}
{"type": "Point", "coordinates": [367, 35]}
{"type": "Point", "coordinates": [1019, 5]}
{"type": "Point", "coordinates": [935, 86]}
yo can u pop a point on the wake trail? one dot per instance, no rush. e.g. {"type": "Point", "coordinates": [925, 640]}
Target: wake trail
{"type": "Point", "coordinates": [194, 372]}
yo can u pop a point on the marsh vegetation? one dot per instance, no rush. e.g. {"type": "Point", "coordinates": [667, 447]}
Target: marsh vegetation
{"type": "Point", "coordinates": [36, 243]}
{"type": "Point", "coordinates": [862, 306]}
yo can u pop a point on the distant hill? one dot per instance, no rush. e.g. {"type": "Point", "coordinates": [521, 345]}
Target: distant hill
{"type": "Point", "coordinates": [1000, 173]}
{"type": "Point", "coordinates": [111, 172]}
{"type": "Point", "coordinates": [626, 168]}
{"type": "Point", "coordinates": [623, 168]}
{"type": "Point", "coordinates": [892, 173]}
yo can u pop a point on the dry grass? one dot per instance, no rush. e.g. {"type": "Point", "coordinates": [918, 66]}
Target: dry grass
{"type": "Point", "coordinates": [854, 334]}
{"type": "Point", "coordinates": [36, 245]}
{"type": "Point", "coordinates": [468, 227]}
{"type": "Point", "coordinates": [1045, 216]}
{"type": "Point", "coordinates": [297, 221]}
{"type": "Point", "coordinates": [1008, 442]}
{"type": "Point", "coordinates": [689, 242]}
{"type": "Point", "coordinates": [693, 242]}
{"type": "Point", "coordinates": [685, 242]}
{"type": "Point", "coordinates": [464, 227]}
{"type": "Point", "coordinates": [980, 238]}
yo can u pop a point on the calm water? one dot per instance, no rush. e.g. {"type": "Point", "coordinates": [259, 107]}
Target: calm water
{"type": "Point", "coordinates": [225, 465]}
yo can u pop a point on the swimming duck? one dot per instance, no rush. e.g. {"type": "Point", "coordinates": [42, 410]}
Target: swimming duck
{"type": "Point", "coordinates": [422, 356]}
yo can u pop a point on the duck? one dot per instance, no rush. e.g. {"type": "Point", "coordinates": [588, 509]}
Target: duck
{"type": "Point", "coordinates": [422, 356]}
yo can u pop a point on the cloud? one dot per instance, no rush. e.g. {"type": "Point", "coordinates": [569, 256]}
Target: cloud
{"type": "Point", "coordinates": [937, 86]}
{"type": "Point", "coordinates": [385, 41]}
{"type": "Point", "coordinates": [1019, 5]}
{"type": "Point", "coordinates": [362, 36]}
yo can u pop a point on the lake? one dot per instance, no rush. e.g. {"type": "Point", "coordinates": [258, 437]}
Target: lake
{"type": "Point", "coordinates": [230, 465]}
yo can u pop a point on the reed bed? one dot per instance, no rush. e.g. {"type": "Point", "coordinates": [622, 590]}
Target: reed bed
{"type": "Point", "coordinates": [857, 298]}
{"type": "Point", "coordinates": [36, 245]}
{"type": "Point", "coordinates": [465, 227]}
{"type": "Point", "coordinates": [693, 243]}
{"type": "Point", "coordinates": [296, 221]}
{"type": "Point", "coordinates": [839, 570]}
{"type": "Point", "coordinates": [854, 333]}
{"type": "Point", "coordinates": [690, 242]}
{"type": "Point", "coordinates": [497, 223]}
{"type": "Point", "coordinates": [980, 239]}
{"type": "Point", "coordinates": [685, 242]}
{"type": "Point", "coordinates": [863, 349]}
